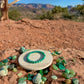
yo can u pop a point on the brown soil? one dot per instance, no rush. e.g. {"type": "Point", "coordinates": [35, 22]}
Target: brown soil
{"type": "Point", "coordinates": [67, 36]}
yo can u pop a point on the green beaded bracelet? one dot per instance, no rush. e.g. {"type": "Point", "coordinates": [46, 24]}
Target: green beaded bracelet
{"type": "Point", "coordinates": [30, 61]}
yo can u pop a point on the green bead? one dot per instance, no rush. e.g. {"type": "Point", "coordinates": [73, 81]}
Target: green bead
{"type": "Point", "coordinates": [61, 67]}
{"type": "Point", "coordinates": [44, 79]}
{"type": "Point", "coordinates": [19, 74]}
{"type": "Point", "coordinates": [5, 61]}
{"type": "Point", "coordinates": [67, 71]}
{"type": "Point", "coordinates": [54, 77]}
{"type": "Point", "coordinates": [72, 72]}
{"type": "Point", "coordinates": [55, 67]}
{"type": "Point", "coordinates": [14, 57]}
{"type": "Point", "coordinates": [41, 72]}
{"type": "Point", "coordinates": [1, 64]}
{"type": "Point", "coordinates": [14, 69]}
{"type": "Point", "coordinates": [45, 71]}
{"type": "Point", "coordinates": [62, 57]}
{"type": "Point", "coordinates": [75, 81]}
{"type": "Point", "coordinates": [22, 49]}
{"type": "Point", "coordinates": [22, 79]}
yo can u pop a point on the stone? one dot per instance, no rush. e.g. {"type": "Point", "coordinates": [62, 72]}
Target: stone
{"type": "Point", "coordinates": [3, 71]}
{"type": "Point", "coordinates": [67, 76]}
{"type": "Point", "coordinates": [1, 64]}
{"type": "Point", "coordinates": [55, 67]}
{"type": "Point", "coordinates": [45, 71]}
{"type": "Point", "coordinates": [22, 79]}
{"type": "Point", "coordinates": [11, 66]}
{"type": "Point", "coordinates": [22, 82]}
{"type": "Point", "coordinates": [5, 61]}
{"type": "Point", "coordinates": [61, 67]}
{"type": "Point", "coordinates": [67, 71]}
{"type": "Point", "coordinates": [10, 57]}
{"type": "Point", "coordinates": [14, 57]}
{"type": "Point", "coordinates": [72, 72]}
{"type": "Point", "coordinates": [41, 72]}
{"type": "Point", "coordinates": [44, 79]}
{"type": "Point", "coordinates": [58, 53]}
{"type": "Point", "coordinates": [42, 82]}
{"type": "Point", "coordinates": [30, 76]}
{"type": "Point", "coordinates": [15, 69]}
{"type": "Point", "coordinates": [37, 79]}
{"type": "Point", "coordinates": [19, 74]}
{"type": "Point", "coordinates": [68, 81]}
{"type": "Point", "coordinates": [54, 77]}
{"type": "Point", "coordinates": [75, 81]}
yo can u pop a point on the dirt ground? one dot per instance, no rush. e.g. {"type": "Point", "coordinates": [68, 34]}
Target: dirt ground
{"type": "Point", "coordinates": [67, 36]}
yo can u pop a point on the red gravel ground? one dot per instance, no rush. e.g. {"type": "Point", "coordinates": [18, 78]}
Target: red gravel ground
{"type": "Point", "coordinates": [67, 36]}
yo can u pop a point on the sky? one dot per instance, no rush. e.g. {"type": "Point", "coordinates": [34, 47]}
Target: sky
{"type": "Point", "coordinates": [63, 3]}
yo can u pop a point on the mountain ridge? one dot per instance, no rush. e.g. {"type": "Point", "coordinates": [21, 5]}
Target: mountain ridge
{"type": "Point", "coordinates": [35, 5]}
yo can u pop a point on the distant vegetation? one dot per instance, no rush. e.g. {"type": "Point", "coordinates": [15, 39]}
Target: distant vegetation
{"type": "Point", "coordinates": [75, 13]}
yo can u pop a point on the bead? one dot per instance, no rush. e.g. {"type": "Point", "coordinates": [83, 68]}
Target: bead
{"type": "Point", "coordinates": [54, 77]}
{"type": "Point", "coordinates": [55, 67]}
{"type": "Point", "coordinates": [44, 79]}
{"type": "Point", "coordinates": [11, 66]}
{"type": "Point", "coordinates": [56, 52]}
{"type": "Point", "coordinates": [42, 82]}
{"type": "Point", "coordinates": [30, 76]}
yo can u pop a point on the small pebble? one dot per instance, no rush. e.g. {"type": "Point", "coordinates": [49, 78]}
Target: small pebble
{"type": "Point", "coordinates": [68, 81]}
{"type": "Point", "coordinates": [54, 77]}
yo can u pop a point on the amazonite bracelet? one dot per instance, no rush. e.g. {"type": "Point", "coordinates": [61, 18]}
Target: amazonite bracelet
{"type": "Point", "coordinates": [30, 61]}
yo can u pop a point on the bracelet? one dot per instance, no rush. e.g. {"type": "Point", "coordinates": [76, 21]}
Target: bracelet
{"type": "Point", "coordinates": [30, 61]}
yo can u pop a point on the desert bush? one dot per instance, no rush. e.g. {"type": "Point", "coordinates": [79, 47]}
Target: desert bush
{"type": "Point", "coordinates": [14, 15]}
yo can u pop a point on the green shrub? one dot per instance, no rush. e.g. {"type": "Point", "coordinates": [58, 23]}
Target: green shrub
{"type": "Point", "coordinates": [14, 15]}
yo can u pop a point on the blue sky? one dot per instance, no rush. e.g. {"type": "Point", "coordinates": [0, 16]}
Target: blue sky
{"type": "Point", "coordinates": [62, 3]}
